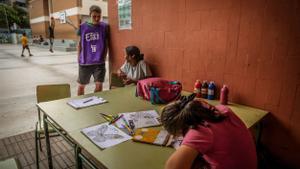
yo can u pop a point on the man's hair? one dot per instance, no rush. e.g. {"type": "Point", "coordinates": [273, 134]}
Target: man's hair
{"type": "Point", "coordinates": [95, 8]}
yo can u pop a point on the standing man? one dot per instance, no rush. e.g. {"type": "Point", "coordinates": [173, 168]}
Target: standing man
{"type": "Point", "coordinates": [51, 33]}
{"type": "Point", "coordinates": [92, 50]}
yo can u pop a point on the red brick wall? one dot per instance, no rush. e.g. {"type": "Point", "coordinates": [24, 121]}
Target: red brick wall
{"type": "Point", "coordinates": [66, 31]}
{"type": "Point", "coordinates": [59, 5]}
{"type": "Point", "coordinates": [40, 29]}
{"type": "Point", "coordinates": [38, 8]}
{"type": "Point", "coordinates": [253, 46]}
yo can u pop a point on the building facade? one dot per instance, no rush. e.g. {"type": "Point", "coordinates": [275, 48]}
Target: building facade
{"type": "Point", "coordinates": [68, 14]}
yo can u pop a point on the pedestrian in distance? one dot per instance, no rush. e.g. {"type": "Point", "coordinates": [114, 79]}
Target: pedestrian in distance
{"type": "Point", "coordinates": [214, 137]}
{"type": "Point", "coordinates": [92, 50]}
{"type": "Point", "coordinates": [51, 34]}
{"type": "Point", "coordinates": [24, 41]}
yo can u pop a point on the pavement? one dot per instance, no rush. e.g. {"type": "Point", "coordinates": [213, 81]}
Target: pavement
{"type": "Point", "coordinates": [19, 78]}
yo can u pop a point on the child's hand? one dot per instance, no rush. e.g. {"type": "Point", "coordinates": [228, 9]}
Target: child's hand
{"type": "Point", "coordinates": [122, 74]}
{"type": "Point", "coordinates": [127, 81]}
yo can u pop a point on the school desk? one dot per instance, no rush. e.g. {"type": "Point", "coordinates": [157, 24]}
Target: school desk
{"type": "Point", "coordinates": [127, 155]}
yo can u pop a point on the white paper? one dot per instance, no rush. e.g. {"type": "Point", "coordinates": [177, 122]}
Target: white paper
{"type": "Point", "coordinates": [105, 135]}
{"type": "Point", "coordinates": [89, 101]}
{"type": "Point", "coordinates": [140, 119]}
{"type": "Point", "coordinates": [176, 142]}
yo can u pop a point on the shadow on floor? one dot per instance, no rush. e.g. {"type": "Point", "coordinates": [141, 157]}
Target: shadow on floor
{"type": "Point", "coordinates": [22, 148]}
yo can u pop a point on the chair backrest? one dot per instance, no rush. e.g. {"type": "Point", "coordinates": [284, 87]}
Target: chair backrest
{"type": "Point", "coordinates": [52, 92]}
{"type": "Point", "coordinates": [10, 163]}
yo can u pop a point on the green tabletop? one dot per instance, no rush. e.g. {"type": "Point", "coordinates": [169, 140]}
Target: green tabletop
{"type": "Point", "coordinates": [127, 155]}
{"type": "Point", "coordinates": [119, 100]}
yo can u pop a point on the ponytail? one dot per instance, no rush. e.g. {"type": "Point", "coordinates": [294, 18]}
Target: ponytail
{"type": "Point", "coordinates": [178, 117]}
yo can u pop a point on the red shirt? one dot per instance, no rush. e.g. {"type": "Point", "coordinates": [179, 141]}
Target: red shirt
{"type": "Point", "coordinates": [224, 145]}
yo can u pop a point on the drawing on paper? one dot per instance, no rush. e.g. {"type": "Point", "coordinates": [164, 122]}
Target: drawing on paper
{"type": "Point", "coordinates": [100, 135]}
{"type": "Point", "coordinates": [141, 119]}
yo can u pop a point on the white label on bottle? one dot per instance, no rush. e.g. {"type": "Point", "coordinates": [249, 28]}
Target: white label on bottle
{"type": "Point", "coordinates": [211, 92]}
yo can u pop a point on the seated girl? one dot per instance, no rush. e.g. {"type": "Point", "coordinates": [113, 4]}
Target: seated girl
{"type": "Point", "coordinates": [214, 137]}
{"type": "Point", "coordinates": [134, 68]}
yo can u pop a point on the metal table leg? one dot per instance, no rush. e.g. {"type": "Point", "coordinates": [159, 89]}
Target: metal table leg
{"type": "Point", "coordinates": [77, 157]}
{"type": "Point", "coordinates": [48, 148]}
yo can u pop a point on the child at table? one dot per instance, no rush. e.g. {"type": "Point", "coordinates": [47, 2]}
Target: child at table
{"type": "Point", "coordinates": [134, 68]}
{"type": "Point", "coordinates": [214, 137]}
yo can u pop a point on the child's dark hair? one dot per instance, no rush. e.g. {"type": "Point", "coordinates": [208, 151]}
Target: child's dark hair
{"type": "Point", "coordinates": [95, 8]}
{"type": "Point", "coordinates": [178, 117]}
{"type": "Point", "coordinates": [24, 34]}
{"type": "Point", "coordinates": [133, 50]}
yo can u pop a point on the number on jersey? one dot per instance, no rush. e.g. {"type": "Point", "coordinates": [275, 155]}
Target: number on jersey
{"type": "Point", "coordinates": [94, 49]}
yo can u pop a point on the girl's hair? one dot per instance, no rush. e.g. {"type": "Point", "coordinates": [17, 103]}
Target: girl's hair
{"type": "Point", "coordinates": [95, 8]}
{"type": "Point", "coordinates": [133, 50]}
{"type": "Point", "coordinates": [179, 116]}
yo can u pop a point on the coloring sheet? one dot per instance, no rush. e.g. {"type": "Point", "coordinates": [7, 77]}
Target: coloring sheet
{"type": "Point", "coordinates": [140, 119]}
{"type": "Point", "coordinates": [105, 135]}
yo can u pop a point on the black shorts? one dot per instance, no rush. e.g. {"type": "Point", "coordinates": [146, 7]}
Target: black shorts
{"type": "Point", "coordinates": [85, 73]}
{"type": "Point", "coordinates": [25, 47]}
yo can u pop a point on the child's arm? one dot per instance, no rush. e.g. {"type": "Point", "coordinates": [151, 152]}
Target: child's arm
{"type": "Point", "coordinates": [128, 81]}
{"type": "Point", "coordinates": [182, 158]}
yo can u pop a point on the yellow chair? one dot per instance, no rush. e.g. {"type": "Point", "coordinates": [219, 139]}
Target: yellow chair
{"type": "Point", "coordinates": [47, 93]}
{"type": "Point", "coordinates": [10, 163]}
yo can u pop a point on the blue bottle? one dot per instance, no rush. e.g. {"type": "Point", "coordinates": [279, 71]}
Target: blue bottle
{"type": "Point", "coordinates": [211, 91]}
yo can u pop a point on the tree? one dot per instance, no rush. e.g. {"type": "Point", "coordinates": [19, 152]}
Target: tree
{"type": "Point", "coordinates": [11, 15]}
{"type": "Point", "coordinates": [23, 16]}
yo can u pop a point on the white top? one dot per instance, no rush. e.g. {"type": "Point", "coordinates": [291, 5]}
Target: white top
{"type": "Point", "coordinates": [140, 71]}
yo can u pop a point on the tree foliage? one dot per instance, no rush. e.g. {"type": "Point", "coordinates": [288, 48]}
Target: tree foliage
{"type": "Point", "coordinates": [11, 15]}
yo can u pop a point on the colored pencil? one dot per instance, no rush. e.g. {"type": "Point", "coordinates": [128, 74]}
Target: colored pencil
{"type": "Point", "coordinates": [116, 119]}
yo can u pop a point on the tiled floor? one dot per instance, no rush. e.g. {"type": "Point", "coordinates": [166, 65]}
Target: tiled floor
{"type": "Point", "coordinates": [22, 148]}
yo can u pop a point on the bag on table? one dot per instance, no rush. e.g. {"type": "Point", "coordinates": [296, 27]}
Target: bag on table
{"type": "Point", "coordinates": [158, 90]}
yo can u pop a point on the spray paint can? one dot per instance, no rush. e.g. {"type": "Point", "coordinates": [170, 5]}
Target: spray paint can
{"type": "Point", "coordinates": [211, 91]}
{"type": "Point", "coordinates": [197, 88]}
{"type": "Point", "coordinates": [224, 95]}
{"type": "Point", "coordinates": [204, 89]}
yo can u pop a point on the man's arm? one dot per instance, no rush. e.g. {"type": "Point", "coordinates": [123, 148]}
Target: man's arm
{"type": "Point", "coordinates": [107, 41]}
{"type": "Point", "coordinates": [182, 158]}
{"type": "Point", "coordinates": [78, 47]}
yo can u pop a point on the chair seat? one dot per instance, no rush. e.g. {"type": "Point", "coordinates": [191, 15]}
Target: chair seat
{"type": "Point", "coordinates": [50, 129]}
{"type": "Point", "coordinates": [9, 164]}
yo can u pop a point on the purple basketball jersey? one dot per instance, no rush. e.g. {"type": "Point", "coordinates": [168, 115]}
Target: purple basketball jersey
{"type": "Point", "coordinates": [93, 43]}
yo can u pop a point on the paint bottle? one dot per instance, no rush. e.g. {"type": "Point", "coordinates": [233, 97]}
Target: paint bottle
{"type": "Point", "coordinates": [197, 88]}
{"type": "Point", "coordinates": [204, 89]}
{"type": "Point", "coordinates": [224, 95]}
{"type": "Point", "coordinates": [211, 91]}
